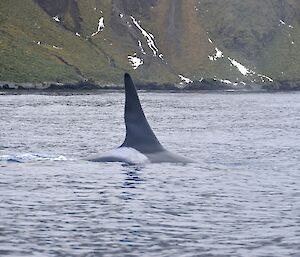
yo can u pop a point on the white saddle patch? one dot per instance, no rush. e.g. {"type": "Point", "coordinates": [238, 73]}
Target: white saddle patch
{"type": "Point", "coordinates": [126, 154]}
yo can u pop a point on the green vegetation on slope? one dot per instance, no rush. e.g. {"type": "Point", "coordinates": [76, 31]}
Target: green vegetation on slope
{"type": "Point", "coordinates": [36, 48]}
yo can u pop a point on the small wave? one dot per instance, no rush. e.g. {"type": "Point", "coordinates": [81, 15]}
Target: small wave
{"type": "Point", "coordinates": [29, 157]}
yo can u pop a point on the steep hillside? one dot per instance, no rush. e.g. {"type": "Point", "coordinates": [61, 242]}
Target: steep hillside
{"type": "Point", "coordinates": [231, 41]}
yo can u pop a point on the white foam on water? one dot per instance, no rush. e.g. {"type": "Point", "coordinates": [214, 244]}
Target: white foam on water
{"type": "Point", "coordinates": [30, 157]}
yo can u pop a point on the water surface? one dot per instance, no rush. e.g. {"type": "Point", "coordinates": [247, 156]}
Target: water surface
{"type": "Point", "coordinates": [241, 198]}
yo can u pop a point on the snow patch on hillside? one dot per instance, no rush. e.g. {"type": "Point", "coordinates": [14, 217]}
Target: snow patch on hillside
{"type": "Point", "coordinates": [246, 71]}
{"type": "Point", "coordinates": [265, 77]}
{"type": "Point", "coordinates": [56, 47]}
{"type": "Point", "coordinates": [56, 18]}
{"type": "Point", "coordinates": [217, 55]}
{"type": "Point", "coordinates": [242, 69]}
{"type": "Point", "coordinates": [135, 61]}
{"type": "Point", "coordinates": [141, 47]}
{"type": "Point", "coordinates": [289, 27]}
{"type": "Point", "coordinates": [100, 27]}
{"type": "Point", "coordinates": [227, 81]}
{"type": "Point", "coordinates": [185, 79]}
{"type": "Point", "coordinates": [149, 38]}
{"type": "Point", "coordinates": [282, 22]}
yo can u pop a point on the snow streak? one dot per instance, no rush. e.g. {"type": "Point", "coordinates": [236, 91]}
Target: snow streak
{"type": "Point", "coordinates": [141, 47]}
{"type": "Point", "coordinates": [149, 38]}
{"type": "Point", "coordinates": [265, 77]}
{"type": "Point", "coordinates": [185, 79]}
{"type": "Point", "coordinates": [242, 69]}
{"type": "Point", "coordinates": [100, 27]}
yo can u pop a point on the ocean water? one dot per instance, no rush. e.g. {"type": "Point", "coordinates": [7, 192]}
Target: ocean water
{"type": "Point", "coordinates": [241, 198]}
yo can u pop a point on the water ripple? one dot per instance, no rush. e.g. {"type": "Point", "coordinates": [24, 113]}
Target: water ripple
{"type": "Point", "coordinates": [240, 199]}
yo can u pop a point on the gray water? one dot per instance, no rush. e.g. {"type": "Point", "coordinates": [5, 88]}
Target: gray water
{"type": "Point", "coordinates": [241, 198]}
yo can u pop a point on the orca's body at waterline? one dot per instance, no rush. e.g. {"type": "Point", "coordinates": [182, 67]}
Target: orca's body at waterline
{"type": "Point", "coordinates": [141, 144]}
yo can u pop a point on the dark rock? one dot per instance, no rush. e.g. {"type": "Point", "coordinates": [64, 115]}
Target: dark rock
{"type": "Point", "coordinates": [83, 85]}
{"type": "Point", "coordinates": [208, 85]}
{"type": "Point", "coordinates": [6, 86]}
{"type": "Point", "coordinates": [20, 87]}
{"type": "Point", "coordinates": [156, 86]}
{"type": "Point", "coordinates": [283, 85]}
{"type": "Point", "coordinates": [62, 8]}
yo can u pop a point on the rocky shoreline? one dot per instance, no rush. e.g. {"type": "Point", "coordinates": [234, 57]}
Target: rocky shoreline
{"type": "Point", "coordinates": [207, 85]}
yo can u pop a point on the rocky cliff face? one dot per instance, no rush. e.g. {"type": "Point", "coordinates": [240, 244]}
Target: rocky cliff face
{"type": "Point", "coordinates": [232, 41]}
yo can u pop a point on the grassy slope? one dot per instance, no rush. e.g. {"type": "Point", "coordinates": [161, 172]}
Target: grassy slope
{"type": "Point", "coordinates": [247, 31]}
{"type": "Point", "coordinates": [281, 58]}
{"type": "Point", "coordinates": [250, 32]}
{"type": "Point", "coordinates": [182, 37]}
{"type": "Point", "coordinates": [21, 58]}
{"type": "Point", "coordinates": [23, 24]}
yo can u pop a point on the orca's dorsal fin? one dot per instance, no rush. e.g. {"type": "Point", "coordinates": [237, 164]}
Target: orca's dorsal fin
{"type": "Point", "coordinates": [139, 134]}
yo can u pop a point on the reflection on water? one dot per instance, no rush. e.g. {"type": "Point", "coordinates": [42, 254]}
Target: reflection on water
{"type": "Point", "coordinates": [132, 178]}
{"type": "Point", "coordinates": [240, 199]}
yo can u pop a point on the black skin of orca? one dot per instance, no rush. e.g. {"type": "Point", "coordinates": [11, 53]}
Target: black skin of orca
{"type": "Point", "coordinates": [139, 134]}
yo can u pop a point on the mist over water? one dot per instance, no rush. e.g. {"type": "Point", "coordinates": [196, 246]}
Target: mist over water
{"type": "Point", "coordinates": [241, 198]}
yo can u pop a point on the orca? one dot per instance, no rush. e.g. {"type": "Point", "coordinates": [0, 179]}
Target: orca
{"type": "Point", "coordinates": [140, 145]}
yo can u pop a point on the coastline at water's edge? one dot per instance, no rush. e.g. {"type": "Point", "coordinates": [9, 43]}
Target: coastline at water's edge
{"type": "Point", "coordinates": [195, 86]}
